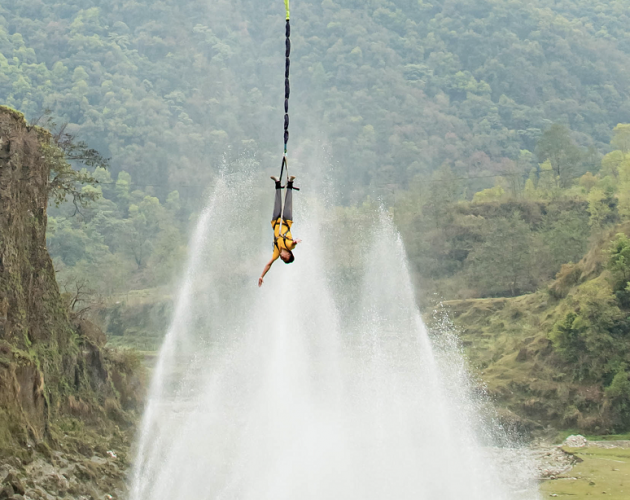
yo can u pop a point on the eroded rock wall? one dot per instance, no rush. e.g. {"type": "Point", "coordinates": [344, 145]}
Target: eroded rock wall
{"type": "Point", "coordinates": [51, 364]}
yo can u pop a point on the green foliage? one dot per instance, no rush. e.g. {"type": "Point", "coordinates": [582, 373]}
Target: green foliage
{"type": "Point", "coordinates": [592, 337]}
{"type": "Point", "coordinates": [461, 248]}
{"type": "Point", "coordinates": [601, 206]}
{"type": "Point", "coordinates": [501, 264]}
{"type": "Point", "coordinates": [619, 266]}
{"type": "Point", "coordinates": [621, 138]}
{"type": "Point", "coordinates": [556, 359]}
{"type": "Point", "coordinates": [567, 337]}
{"type": "Point", "coordinates": [605, 324]}
{"type": "Point", "coordinates": [122, 240]}
{"type": "Point", "coordinates": [497, 193]}
{"type": "Point", "coordinates": [564, 234]}
{"type": "Point", "coordinates": [619, 261]}
{"type": "Point", "coordinates": [618, 396]}
{"type": "Point", "coordinates": [557, 147]}
{"type": "Point", "coordinates": [401, 89]}
{"type": "Point", "coordinates": [65, 181]}
{"type": "Point", "coordinates": [446, 102]}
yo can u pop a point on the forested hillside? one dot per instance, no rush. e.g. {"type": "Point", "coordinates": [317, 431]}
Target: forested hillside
{"type": "Point", "coordinates": [559, 358]}
{"type": "Point", "coordinates": [395, 88]}
{"type": "Point", "coordinates": [444, 97]}
{"type": "Point", "coordinates": [495, 132]}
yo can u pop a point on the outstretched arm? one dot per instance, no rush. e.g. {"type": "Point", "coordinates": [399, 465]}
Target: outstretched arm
{"type": "Point", "coordinates": [267, 267]}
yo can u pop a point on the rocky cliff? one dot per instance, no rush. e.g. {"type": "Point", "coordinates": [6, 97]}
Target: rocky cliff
{"type": "Point", "coordinates": [61, 390]}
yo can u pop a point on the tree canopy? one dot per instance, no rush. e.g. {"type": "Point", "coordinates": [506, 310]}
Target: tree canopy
{"type": "Point", "coordinates": [394, 88]}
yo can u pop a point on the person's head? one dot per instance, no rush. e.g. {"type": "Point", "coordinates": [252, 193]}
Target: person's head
{"type": "Point", "coordinates": [286, 256]}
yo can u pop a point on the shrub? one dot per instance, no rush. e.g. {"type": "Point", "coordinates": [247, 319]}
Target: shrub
{"type": "Point", "coordinates": [618, 399]}
{"type": "Point", "coordinates": [619, 267]}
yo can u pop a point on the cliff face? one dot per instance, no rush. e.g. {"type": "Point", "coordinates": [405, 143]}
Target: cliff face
{"type": "Point", "coordinates": [31, 316]}
{"type": "Point", "coordinates": [51, 364]}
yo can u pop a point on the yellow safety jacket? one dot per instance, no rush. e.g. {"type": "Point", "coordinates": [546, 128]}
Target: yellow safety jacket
{"type": "Point", "coordinates": [282, 241]}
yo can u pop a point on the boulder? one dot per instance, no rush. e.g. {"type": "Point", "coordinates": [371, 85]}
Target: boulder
{"type": "Point", "coordinates": [576, 441]}
{"type": "Point", "coordinates": [16, 484]}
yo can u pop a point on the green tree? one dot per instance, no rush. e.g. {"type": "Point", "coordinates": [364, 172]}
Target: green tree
{"type": "Point", "coordinates": [443, 192]}
{"type": "Point", "coordinates": [123, 184]}
{"type": "Point", "coordinates": [567, 337]}
{"type": "Point", "coordinates": [66, 181]}
{"type": "Point", "coordinates": [621, 138]}
{"type": "Point", "coordinates": [619, 266]}
{"type": "Point", "coordinates": [593, 335]}
{"type": "Point", "coordinates": [557, 147]}
{"type": "Point", "coordinates": [601, 206]}
{"type": "Point", "coordinates": [140, 229]}
{"type": "Point", "coordinates": [566, 235]}
{"type": "Point", "coordinates": [502, 263]}
{"type": "Point", "coordinates": [618, 398]}
{"type": "Point", "coordinates": [496, 193]}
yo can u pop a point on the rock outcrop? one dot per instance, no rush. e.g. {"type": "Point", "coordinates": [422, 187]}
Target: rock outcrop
{"type": "Point", "coordinates": [53, 367]}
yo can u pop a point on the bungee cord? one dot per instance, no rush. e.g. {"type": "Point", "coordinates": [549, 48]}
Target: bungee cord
{"type": "Point", "coordinates": [287, 91]}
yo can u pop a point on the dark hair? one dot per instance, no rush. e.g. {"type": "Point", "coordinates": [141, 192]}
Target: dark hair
{"type": "Point", "coordinates": [291, 258]}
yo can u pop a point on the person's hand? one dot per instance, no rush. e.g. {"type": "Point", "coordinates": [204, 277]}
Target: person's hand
{"type": "Point", "coordinates": [298, 241]}
{"type": "Point", "coordinates": [260, 282]}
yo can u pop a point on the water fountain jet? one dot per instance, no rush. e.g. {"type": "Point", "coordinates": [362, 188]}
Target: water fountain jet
{"type": "Point", "coordinates": [280, 393]}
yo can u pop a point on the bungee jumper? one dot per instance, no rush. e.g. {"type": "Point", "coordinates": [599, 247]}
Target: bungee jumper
{"type": "Point", "coordinates": [281, 221]}
{"type": "Point", "coordinates": [282, 218]}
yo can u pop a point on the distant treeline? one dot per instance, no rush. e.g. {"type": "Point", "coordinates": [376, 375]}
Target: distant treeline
{"type": "Point", "coordinates": [482, 118]}
{"type": "Point", "coordinates": [397, 88]}
{"type": "Point", "coordinates": [514, 237]}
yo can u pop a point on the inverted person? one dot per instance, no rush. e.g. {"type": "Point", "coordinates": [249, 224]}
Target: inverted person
{"type": "Point", "coordinates": [281, 221]}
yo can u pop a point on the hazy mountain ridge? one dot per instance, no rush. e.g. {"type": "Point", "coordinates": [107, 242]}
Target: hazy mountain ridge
{"type": "Point", "coordinates": [399, 87]}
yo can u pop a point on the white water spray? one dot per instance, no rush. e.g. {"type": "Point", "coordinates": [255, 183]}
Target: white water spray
{"type": "Point", "coordinates": [276, 394]}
